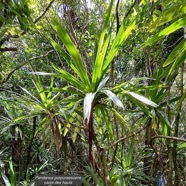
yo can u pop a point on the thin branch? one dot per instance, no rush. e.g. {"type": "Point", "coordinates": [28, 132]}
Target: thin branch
{"type": "Point", "coordinates": [8, 49]}
{"type": "Point", "coordinates": [44, 12]}
{"type": "Point", "coordinates": [44, 55]}
{"type": "Point", "coordinates": [169, 137]}
{"type": "Point", "coordinates": [11, 73]}
{"type": "Point", "coordinates": [132, 6]}
{"type": "Point", "coordinates": [117, 16]}
{"type": "Point", "coordinates": [175, 43]}
{"type": "Point", "coordinates": [18, 67]}
{"type": "Point", "coordinates": [29, 150]}
{"type": "Point", "coordinates": [134, 134]}
{"type": "Point", "coordinates": [123, 139]}
{"type": "Point", "coordinates": [3, 40]}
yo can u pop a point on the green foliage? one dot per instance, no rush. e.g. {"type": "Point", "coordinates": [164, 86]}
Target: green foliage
{"type": "Point", "coordinates": [77, 66]}
{"type": "Point", "coordinates": [12, 180]}
{"type": "Point", "coordinates": [93, 178]}
{"type": "Point", "coordinates": [92, 90]}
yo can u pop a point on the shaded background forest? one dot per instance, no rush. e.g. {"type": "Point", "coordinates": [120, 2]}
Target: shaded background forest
{"type": "Point", "coordinates": [93, 88]}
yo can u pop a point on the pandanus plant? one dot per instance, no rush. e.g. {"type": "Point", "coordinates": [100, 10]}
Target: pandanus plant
{"type": "Point", "coordinates": [92, 89]}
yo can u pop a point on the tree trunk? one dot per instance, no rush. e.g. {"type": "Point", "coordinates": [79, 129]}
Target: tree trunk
{"type": "Point", "coordinates": [168, 142]}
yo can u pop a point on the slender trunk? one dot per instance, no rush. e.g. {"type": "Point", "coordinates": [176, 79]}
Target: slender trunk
{"type": "Point", "coordinates": [112, 84]}
{"type": "Point", "coordinates": [175, 158]}
{"type": "Point", "coordinates": [168, 141]}
{"type": "Point", "coordinates": [64, 152]}
{"type": "Point", "coordinates": [174, 153]}
{"type": "Point", "coordinates": [104, 172]}
{"type": "Point", "coordinates": [148, 141]}
{"type": "Point", "coordinates": [90, 137]}
{"type": "Point", "coordinates": [30, 144]}
{"type": "Point", "coordinates": [17, 148]}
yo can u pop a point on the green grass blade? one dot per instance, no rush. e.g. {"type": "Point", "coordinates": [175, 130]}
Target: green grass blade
{"type": "Point", "coordinates": [60, 50]}
{"type": "Point", "coordinates": [77, 129]}
{"type": "Point", "coordinates": [31, 95]}
{"type": "Point", "coordinates": [39, 88]}
{"type": "Point", "coordinates": [102, 84]}
{"type": "Point", "coordinates": [171, 70]}
{"type": "Point", "coordinates": [122, 122]}
{"type": "Point", "coordinates": [180, 101]}
{"type": "Point", "coordinates": [68, 124]}
{"type": "Point", "coordinates": [164, 117]}
{"type": "Point", "coordinates": [138, 103]}
{"type": "Point", "coordinates": [67, 89]}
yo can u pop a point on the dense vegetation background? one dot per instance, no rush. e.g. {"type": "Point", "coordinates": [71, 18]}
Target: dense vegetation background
{"type": "Point", "coordinates": [93, 88]}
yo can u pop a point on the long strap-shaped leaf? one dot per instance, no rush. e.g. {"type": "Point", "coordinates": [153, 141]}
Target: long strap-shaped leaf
{"type": "Point", "coordinates": [169, 14]}
{"type": "Point", "coordinates": [38, 84]}
{"type": "Point", "coordinates": [71, 79]}
{"type": "Point", "coordinates": [178, 51]}
{"type": "Point", "coordinates": [99, 63]}
{"type": "Point", "coordinates": [143, 99]}
{"type": "Point", "coordinates": [66, 76]}
{"type": "Point", "coordinates": [65, 56]}
{"type": "Point", "coordinates": [87, 106]}
{"type": "Point", "coordinates": [173, 27]}
{"type": "Point", "coordinates": [107, 122]}
{"type": "Point", "coordinates": [71, 48]}
{"type": "Point", "coordinates": [120, 38]}
{"type": "Point", "coordinates": [114, 98]}
{"type": "Point", "coordinates": [101, 66]}
{"type": "Point", "coordinates": [102, 48]}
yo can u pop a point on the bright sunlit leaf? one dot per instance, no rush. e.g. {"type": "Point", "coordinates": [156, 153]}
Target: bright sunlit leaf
{"type": "Point", "coordinates": [114, 98]}
{"type": "Point", "coordinates": [143, 99]}
{"type": "Point", "coordinates": [87, 107]}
